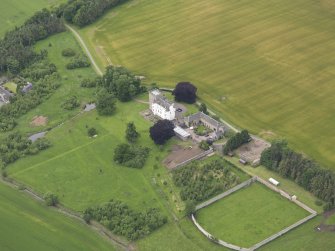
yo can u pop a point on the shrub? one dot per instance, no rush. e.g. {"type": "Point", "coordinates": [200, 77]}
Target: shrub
{"type": "Point", "coordinates": [68, 52]}
{"type": "Point", "coordinates": [124, 221]}
{"type": "Point", "coordinates": [51, 199]}
{"type": "Point", "coordinates": [78, 62]}
{"type": "Point", "coordinates": [131, 155]}
{"type": "Point", "coordinates": [92, 132]}
{"type": "Point", "coordinates": [204, 145]}
{"type": "Point", "coordinates": [71, 103]}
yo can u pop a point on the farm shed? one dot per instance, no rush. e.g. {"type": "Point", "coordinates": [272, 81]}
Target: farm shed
{"type": "Point", "coordinates": [274, 182]}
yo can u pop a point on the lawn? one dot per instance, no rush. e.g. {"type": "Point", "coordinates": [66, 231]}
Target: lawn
{"type": "Point", "coordinates": [249, 215]}
{"type": "Point", "coordinates": [331, 220]}
{"type": "Point", "coordinates": [265, 66]}
{"type": "Point", "coordinates": [11, 86]}
{"type": "Point", "coordinates": [29, 225]}
{"type": "Point", "coordinates": [81, 169]}
{"type": "Point", "coordinates": [15, 12]}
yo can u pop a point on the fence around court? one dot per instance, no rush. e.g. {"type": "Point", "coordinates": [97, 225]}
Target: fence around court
{"type": "Point", "coordinates": [312, 212]}
{"type": "Point", "coordinates": [225, 194]}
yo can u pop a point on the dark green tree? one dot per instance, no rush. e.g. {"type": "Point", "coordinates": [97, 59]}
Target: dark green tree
{"type": "Point", "coordinates": [203, 108]}
{"type": "Point", "coordinates": [131, 133]}
{"type": "Point", "coordinates": [106, 103]}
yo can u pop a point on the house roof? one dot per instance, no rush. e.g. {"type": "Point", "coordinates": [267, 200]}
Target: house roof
{"type": "Point", "coordinates": [161, 100]}
{"type": "Point", "coordinates": [27, 87]}
{"type": "Point", "coordinates": [205, 117]}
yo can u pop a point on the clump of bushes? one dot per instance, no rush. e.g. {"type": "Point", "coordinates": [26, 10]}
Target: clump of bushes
{"type": "Point", "coordinates": [51, 199]}
{"type": "Point", "coordinates": [71, 103]}
{"type": "Point", "coordinates": [90, 83]}
{"type": "Point", "coordinates": [124, 221]}
{"type": "Point", "coordinates": [204, 145]}
{"type": "Point", "coordinates": [236, 141]}
{"type": "Point", "coordinates": [78, 62]}
{"type": "Point", "coordinates": [16, 146]}
{"type": "Point", "coordinates": [131, 155]}
{"type": "Point", "coordinates": [68, 52]}
{"type": "Point", "coordinates": [92, 132]}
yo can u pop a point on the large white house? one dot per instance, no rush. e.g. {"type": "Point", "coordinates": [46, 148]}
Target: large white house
{"type": "Point", "coordinates": [160, 106]}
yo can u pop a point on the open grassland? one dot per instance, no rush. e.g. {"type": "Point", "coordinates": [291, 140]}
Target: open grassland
{"type": "Point", "coordinates": [15, 12]}
{"type": "Point", "coordinates": [331, 220]}
{"type": "Point", "coordinates": [81, 169]}
{"type": "Point", "coordinates": [29, 225]}
{"type": "Point", "coordinates": [264, 65]}
{"type": "Point", "coordinates": [249, 215]}
{"type": "Point", "coordinates": [304, 238]}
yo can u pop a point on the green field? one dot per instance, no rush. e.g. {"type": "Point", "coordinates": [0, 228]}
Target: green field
{"type": "Point", "coordinates": [29, 225]}
{"type": "Point", "coordinates": [263, 65]}
{"type": "Point", "coordinates": [331, 220]}
{"type": "Point", "coordinates": [15, 12]}
{"type": "Point", "coordinates": [249, 215]}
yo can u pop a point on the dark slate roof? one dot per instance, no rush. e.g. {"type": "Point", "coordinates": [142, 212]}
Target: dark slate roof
{"type": "Point", "coordinates": [161, 100]}
{"type": "Point", "coordinates": [205, 117]}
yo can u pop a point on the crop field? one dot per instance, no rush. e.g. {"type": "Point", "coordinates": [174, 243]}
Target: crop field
{"type": "Point", "coordinates": [29, 225]}
{"type": "Point", "coordinates": [264, 65]}
{"type": "Point", "coordinates": [15, 12]}
{"type": "Point", "coordinates": [249, 215]}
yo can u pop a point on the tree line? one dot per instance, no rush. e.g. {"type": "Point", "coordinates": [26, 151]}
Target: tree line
{"type": "Point", "coordinates": [16, 46]}
{"type": "Point", "coordinates": [18, 57]}
{"type": "Point", "coordinates": [124, 221]}
{"type": "Point", "coordinates": [236, 141]}
{"type": "Point", "coordinates": [16, 146]}
{"type": "Point", "coordinates": [84, 12]}
{"type": "Point", "coordinates": [304, 171]}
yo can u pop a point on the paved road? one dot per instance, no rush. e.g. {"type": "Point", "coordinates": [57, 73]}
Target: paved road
{"type": "Point", "coordinates": [83, 45]}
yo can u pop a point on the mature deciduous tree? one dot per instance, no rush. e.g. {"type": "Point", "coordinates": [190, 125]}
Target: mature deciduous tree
{"type": "Point", "coordinates": [162, 131]}
{"type": "Point", "coordinates": [185, 92]}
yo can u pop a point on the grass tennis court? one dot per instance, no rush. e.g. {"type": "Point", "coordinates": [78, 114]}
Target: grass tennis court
{"type": "Point", "coordinates": [264, 65]}
{"type": "Point", "coordinates": [249, 215]}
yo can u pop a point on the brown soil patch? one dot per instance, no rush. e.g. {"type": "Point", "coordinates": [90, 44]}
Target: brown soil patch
{"type": "Point", "coordinates": [180, 154]}
{"type": "Point", "coordinates": [323, 227]}
{"type": "Point", "coordinates": [252, 151]}
{"type": "Point", "coordinates": [39, 121]}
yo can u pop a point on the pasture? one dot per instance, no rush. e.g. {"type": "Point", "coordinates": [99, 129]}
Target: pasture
{"type": "Point", "coordinates": [249, 215]}
{"type": "Point", "coordinates": [15, 12]}
{"type": "Point", "coordinates": [263, 65]}
{"type": "Point", "coordinates": [29, 225]}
